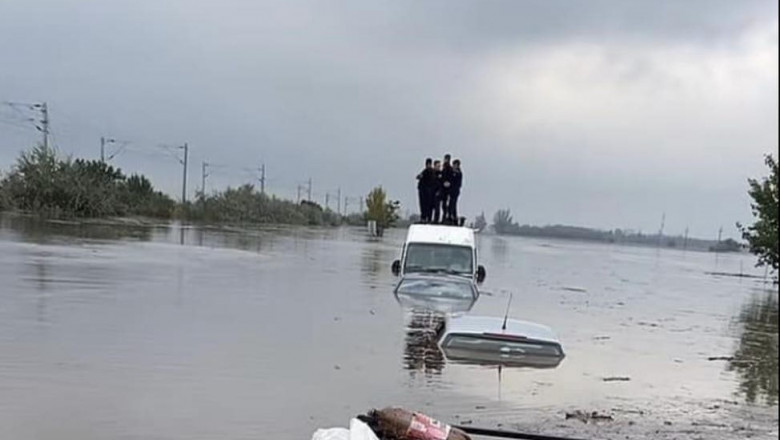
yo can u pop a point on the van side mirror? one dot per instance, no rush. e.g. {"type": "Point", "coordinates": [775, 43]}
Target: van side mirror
{"type": "Point", "coordinates": [396, 267]}
{"type": "Point", "coordinates": [481, 273]}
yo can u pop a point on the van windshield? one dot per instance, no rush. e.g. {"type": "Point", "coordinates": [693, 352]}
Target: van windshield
{"type": "Point", "coordinates": [439, 258]}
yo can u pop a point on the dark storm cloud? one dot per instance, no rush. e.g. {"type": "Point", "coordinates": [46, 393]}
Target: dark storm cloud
{"type": "Point", "coordinates": [604, 113]}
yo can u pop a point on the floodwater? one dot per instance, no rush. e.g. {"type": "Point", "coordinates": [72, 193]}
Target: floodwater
{"type": "Point", "coordinates": [201, 333]}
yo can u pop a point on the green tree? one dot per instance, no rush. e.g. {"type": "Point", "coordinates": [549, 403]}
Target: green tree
{"type": "Point", "coordinates": [762, 235]}
{"type": "Point", "coordinates": [246, 205]}
{"type": "Point", "coordinates": [502, 221]}
{"type": "Point", "coordinates": [380, 210]}
{"type": "Point", "coordinates": [45, 184]}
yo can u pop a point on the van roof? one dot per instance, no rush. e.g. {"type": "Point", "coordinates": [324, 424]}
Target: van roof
{"type": "Point", "coordinates": [439, 234]}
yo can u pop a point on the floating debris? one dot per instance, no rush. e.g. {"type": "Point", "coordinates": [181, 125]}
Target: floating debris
{"type": "Point", "coordinates": [721, 358]}
{"type": "Point", "coordinates": [731, 274]}
{"type": "Point", "coordinates": [574, 289]}
{"type": "Point", "coordinates": [585, 417]}
{"type": "Point", "coordinates": [617, 379]}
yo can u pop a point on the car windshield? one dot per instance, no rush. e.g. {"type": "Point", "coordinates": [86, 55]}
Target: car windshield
{"type": "Point", "coordinates": [435, 288]}
{"type": "Point", "coordinates": [439, 258]}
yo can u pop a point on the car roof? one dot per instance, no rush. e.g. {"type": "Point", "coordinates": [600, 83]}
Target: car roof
{"type": "Point", "coordinates": [478, 325]}
{"type": "Point", "coordinates": [439, 234]}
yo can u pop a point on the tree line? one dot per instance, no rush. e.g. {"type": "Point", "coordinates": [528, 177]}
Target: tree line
{"type": "Point", "coordinates": [761, 236]}
{"type": "Point", "coordinates": [504, 224]}
{"type": "Point", "coordinates": [43, 183]}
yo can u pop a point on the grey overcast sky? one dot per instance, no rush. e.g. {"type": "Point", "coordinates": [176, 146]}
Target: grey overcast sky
{"type": "Point", "coordinates": [603, 113]}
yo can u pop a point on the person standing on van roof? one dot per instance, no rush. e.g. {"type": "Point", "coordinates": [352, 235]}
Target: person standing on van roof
{"type": "Point", "coordinates": [446, 183]}
{"type": "Point", "coordinates": [457, 182]}
{"type": "Point", "coordinates": [437, 193]}
{"type": "Point", "coordinates": [426, 188]}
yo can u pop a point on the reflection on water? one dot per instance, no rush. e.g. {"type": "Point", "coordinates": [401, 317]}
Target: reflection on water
{"type": "Point", "coordinates": [39, 230]}
{"type": "Point", "coordinates": [755, 359]}
{"type": "Point", "coordinates": [427, 316]}
{"type": "Point", "coordinates": [208, 236]}
{"type": "Point", "coordinates": [498, 247]}
{"type": "Point", "coordinates": [41, 276]}
{"type": "Point", "coordinates": [421, 352]}
{"type": "Point", "coordinates": [372, 263]}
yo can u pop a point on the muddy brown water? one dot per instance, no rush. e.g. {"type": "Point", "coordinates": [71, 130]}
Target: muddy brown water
{"type": "Point", "coordinates": [159, 332]}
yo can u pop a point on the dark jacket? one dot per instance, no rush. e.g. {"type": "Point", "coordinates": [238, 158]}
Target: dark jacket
{"type": "Point", "coordinates": [437, 188]}
{"type": "Point", "coordinates": [457, 181]}
{"type": "Point", "coordinates": [446, 176]}
{"type": "Point", "coordinates": [426, 180]}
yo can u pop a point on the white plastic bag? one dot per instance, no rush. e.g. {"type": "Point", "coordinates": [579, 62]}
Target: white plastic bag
{"type": "Point", "coordinates": [360, 431]}
{"type": "Point", "coordinates": [357, 431]}
{"type": "Point", "coordinates": [331, 434]}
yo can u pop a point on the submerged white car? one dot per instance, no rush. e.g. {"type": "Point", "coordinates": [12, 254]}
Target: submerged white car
{"type": "Point", "coordinates": [439, 293]}
{"type": "Point", "coordinates": [486, 340]}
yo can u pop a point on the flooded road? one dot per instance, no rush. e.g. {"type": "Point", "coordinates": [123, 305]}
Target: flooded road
{"type": "Point", "coordinates": [202, 333]}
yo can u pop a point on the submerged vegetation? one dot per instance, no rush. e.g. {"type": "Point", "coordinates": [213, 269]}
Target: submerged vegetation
{"type": "Point", "coordinates": [43, 183]}
{"type": "Point", "coordinates": [247, 205]}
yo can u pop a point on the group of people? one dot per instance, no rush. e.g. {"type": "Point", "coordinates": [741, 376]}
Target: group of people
{"type": "Point", "coordinates": [438, 188]}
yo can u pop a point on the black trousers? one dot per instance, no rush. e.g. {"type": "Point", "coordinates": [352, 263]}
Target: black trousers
{"type": "Point", "coordinates": [426, 205]}
{"type": "Point", "coordinates": [436, 211]}
{"type": "Point", "coordinates": [452, 207]}
{"type": "Point", "coordinates": [445, 206]}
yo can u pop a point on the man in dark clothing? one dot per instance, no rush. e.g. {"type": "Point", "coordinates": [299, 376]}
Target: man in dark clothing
{"type": "Point", "coordinates": [426, 187]}
{"type": "Point", "coordinates": [437, 193]}
{"type": "Point", "coordinates": [446, 183]}
{"type": "Point", "coordinates": [456, 182]}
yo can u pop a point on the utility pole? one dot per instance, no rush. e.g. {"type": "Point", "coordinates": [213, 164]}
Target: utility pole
{"type": "Point", "coordinates": [339, 201]}
{"type": "Point", "coordinates": [327, 200]}
{"type": "Point", "coordinates": [661, 229]}
{"type": "Point", "coordinates": [308, 191]}
{"type": "Point", "coordinates": [103, 142]}
{"type": "Point", "coordinates": [203, 176]}
{"type": "Point", "coordinates": [262, 179]}
{"type": "Point", "coordinates": [717, 246]}
{"type": "Point", "coordinates": [186, 149]}
{"type": "Point", "coordinates": [299, 194]}
{"type": "Point", "coordinates": [361, 204]}
{"type": "Point", "coordinates": [45, 124]}
{"type": "Point", "coordinates": [44, 121]}
{"type": "Point", "coordinates": [346, 205]}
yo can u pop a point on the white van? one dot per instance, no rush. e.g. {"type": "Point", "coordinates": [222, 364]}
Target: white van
{"type": "Point", "coordinates": [438, 249]}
